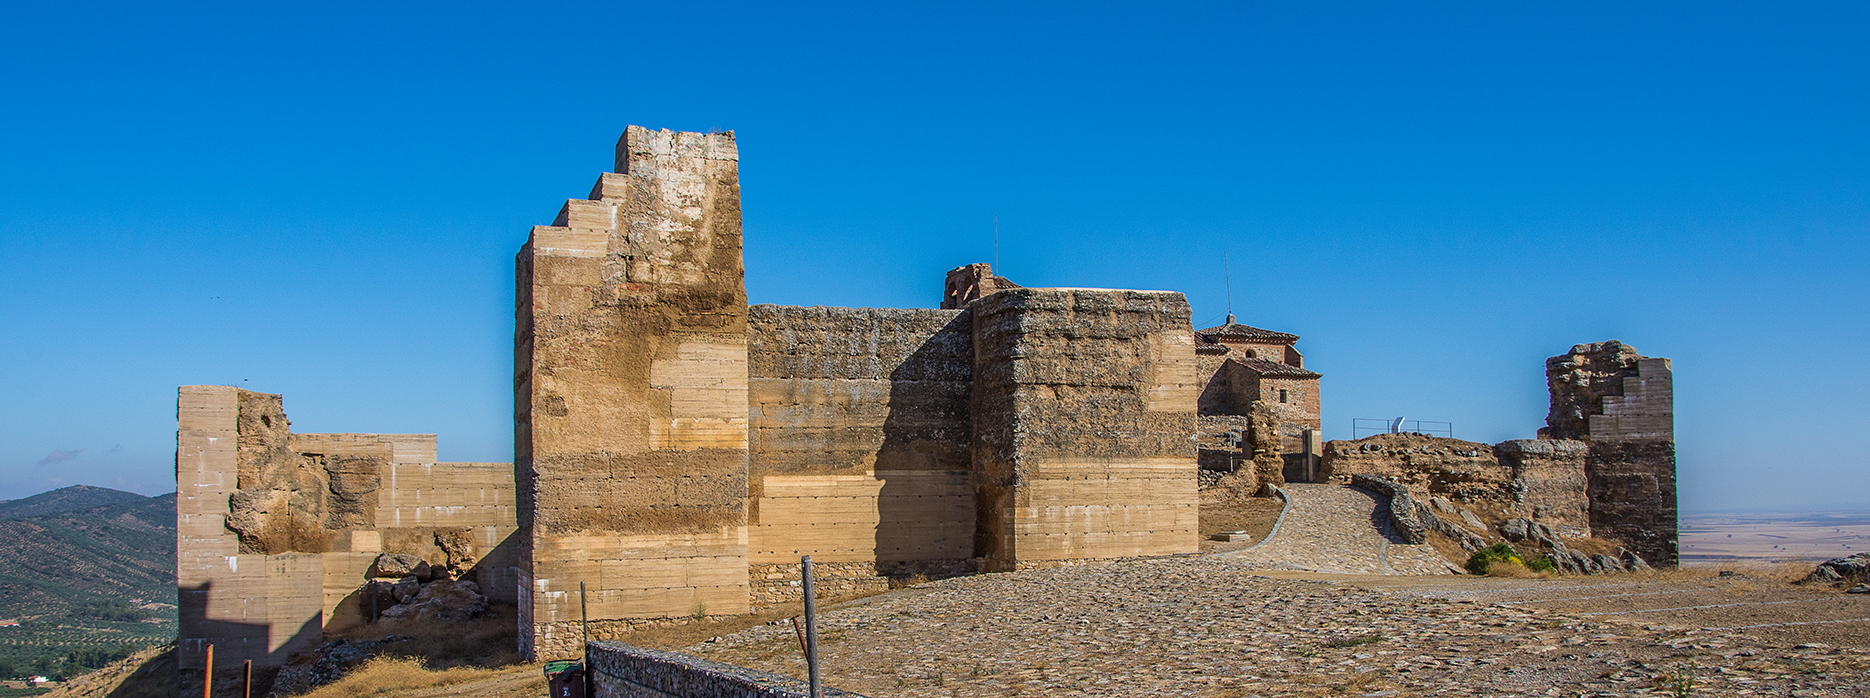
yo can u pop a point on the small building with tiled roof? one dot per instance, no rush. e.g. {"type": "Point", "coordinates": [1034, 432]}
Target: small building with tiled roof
{"type": "Point", "coordinates": [1251, 342]}
{"type": "Point", "coordinates": [1239, 367]}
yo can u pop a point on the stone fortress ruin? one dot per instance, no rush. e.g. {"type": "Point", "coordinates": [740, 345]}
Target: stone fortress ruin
{"type": "Point", "coordinates": [677, 449]}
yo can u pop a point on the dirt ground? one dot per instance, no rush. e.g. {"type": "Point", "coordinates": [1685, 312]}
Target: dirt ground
{"type": "Point", "coordinates": [1230, 505]}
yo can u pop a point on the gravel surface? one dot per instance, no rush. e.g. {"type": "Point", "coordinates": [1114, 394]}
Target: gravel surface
{"type": "Point", "coordinates": [1211, 626]}
{"type": "Point", "coordinates": [1331, 604]}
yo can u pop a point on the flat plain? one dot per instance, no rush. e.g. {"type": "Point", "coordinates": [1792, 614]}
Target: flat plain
{"type": "Point", "coordinates": [1725, 539]}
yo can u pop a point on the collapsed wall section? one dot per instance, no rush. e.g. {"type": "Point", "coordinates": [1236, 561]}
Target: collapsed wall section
{"type": "Point", "coordinates": [1541, 480]}
{"type": "Point", "coordinates": [858, 446]}
{"type": "Point", "coordinates": [276, 531]}
{"type": "Point", "coordinates": [1084, 405]}
{"type": "Point", "coordinates": [1549, 483]}
{"type": "Point", "coordinates": [631, 395]}
{"type": "Point", "coordinates": [248, 605]}
{"type": "Point", "coordinates": [1622, 404]}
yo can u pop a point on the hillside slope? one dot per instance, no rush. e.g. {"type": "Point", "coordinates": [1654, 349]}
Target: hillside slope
{"type": "Point", "coordinates": [98, 579]}
{"type": "Point", "coordinates": [68, 499]}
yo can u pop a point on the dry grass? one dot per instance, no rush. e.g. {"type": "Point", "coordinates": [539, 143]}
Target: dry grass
{"type": "Point", "coordinates": [1230, 505]}
{"type": "Point", "coordinates": [1514, 570]}
{"type": "Point", "coordinates": [485, 643]}
{"type": "Point", "coordinates": [391, 674]}
{"type": "Point", "coordinates": [1748, 572]}
{"type": "Point", "coordinates": [1449, 549]}
{"type": "Point", "coordinates": [1594, 546]}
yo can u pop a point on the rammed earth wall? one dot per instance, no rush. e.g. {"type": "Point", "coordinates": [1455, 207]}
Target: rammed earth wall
{"type": "Point", "coordinates": [858, 446]}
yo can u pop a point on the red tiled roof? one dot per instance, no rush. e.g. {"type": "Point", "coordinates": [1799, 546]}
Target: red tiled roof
{"type": "Point", "coordinates": [1274, 368]}
{"type": "Point", "coordinates": [1234, 329]}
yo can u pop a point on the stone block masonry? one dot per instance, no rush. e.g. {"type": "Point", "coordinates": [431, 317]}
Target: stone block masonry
{"type": "Point", "coordinates": [1604, 464]}
{"type": "Point", "coordinates": [275, 531]}
{"type": "Point", "coordinates": [1622, 403]}
{"type": "Point", "coordinates": [623, 671]}
{"type": "Point", "coordinates": [1084, 404]}
{"type": "Point", "coordinates": [677, 451]}
{"type": "Point", "coordinates": [859, 446]}
{"type": "Point", "coordinates": [630, 394]}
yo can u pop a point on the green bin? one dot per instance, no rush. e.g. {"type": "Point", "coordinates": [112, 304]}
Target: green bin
{"type": "Point", "coordinates": [566, 678]}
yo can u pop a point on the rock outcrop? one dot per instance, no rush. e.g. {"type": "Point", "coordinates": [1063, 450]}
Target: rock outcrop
{"type": "Point", "coordinates": [1841, 571]}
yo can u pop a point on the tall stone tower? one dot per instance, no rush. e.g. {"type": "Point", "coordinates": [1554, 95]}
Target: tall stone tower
{"type": "Point", "coordinates": [630, 385]}
{"type": "Point", "coordinates": [1623, 404]}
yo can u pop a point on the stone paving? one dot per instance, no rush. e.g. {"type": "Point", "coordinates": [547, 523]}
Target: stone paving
{"type": "Point", "coordinates": [1340, 530]}
{"type": "Point", "coordinates": [1210, 626]}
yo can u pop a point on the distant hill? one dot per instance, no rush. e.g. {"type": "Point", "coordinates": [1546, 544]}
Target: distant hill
{"type": "Point", "coordinates": [96, 576]}
{"type": "Point", "coordinates": [73, 498]}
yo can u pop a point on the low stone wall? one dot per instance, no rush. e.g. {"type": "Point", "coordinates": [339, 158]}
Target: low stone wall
{"type": "Point", "coordinates": [623, 671]}
{"type": "Point", "coordinates": [1402, 506]}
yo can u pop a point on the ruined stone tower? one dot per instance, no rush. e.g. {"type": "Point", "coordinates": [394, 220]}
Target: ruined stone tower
{"type": "Point", "coordinates": [1622, 404]}
{"type": "Point", "coordinates": [630, 384]}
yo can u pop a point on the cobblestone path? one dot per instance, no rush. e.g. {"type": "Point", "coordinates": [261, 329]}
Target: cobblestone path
{"type": "Point", "coordinates": [1340, 530]}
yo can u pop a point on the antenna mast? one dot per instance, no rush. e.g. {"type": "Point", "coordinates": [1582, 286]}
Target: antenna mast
{"type": "Point", "coordinates": [996, 244]}
{"type": "Point", "coordinates": [1228, 279]}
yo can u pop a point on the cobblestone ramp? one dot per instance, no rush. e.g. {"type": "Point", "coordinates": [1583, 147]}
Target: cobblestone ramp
{"type": "Point", "coordinates": [1338, 529]}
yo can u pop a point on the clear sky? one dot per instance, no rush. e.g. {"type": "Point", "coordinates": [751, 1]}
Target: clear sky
{"type": "Point", "coordinates": [323, 200]}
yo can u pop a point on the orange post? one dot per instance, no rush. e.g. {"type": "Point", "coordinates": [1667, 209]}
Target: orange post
{"type": "Point", "coordinates": [247, 688]}
{"type": "Point", "coordinates": [207, 674]}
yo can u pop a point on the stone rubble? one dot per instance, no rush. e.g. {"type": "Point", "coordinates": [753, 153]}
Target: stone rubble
{"type": "Point", "coordinates": [1843, 570]}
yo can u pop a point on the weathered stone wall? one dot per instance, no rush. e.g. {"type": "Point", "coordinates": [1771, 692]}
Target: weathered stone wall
{"type": "Point", "coordinates": [1622, 404]}
{"type": "Point", "coordinates": [1540, 480]}
{"type": "Point", "coordinates": [624, 671]}
{"type": "Point", "coordinates": [1430, 466]}
{"type": "Point", "coordinates": [329, 503]}
{"type": "Point", "coordinates": [1084, 402]}
{"type": "Point", "coordinates": [631, 394]}
{"type": "Point", "coordinates": [1633, 497]}
{"type": "Point", "coordinates": [858, 444]}
{"type": "Point", "coordinates": [249, 606]}
{"type": "Point", "coordinates": [1549, 484]}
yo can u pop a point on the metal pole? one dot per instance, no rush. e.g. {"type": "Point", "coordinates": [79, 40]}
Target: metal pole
{"type": "Point", "coordinates": [247, 690]}
{"type": "Point", "coordinates": [207, 674]}
{"type": "Point", "coordinates": [584, 623]}
{"type": "Point", "coordinates": [811, 630]}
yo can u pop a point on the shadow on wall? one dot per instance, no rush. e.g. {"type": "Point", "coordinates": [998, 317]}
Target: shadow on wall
{"type": "Point", "coordinates": [1380, 516]}
{"type": "Point", "coordinates": [925, 507]}
{"type": "Point", "coordinates": [234, 643]}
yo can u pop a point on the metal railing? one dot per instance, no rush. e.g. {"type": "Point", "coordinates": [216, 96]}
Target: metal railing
{"type": "Point", "coordinates": [1363, 426]}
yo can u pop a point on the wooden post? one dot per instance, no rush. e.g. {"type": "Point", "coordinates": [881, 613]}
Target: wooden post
{"type": "Point", "coordinates": [247, 688]}
{"type": "Point", "coordinates": [811, 630]}
{"type": "Point", "coordinates": [207, 674]}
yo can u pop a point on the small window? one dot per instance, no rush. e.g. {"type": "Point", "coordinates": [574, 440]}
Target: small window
{"type": "Point", "coordinates": [1252, 355]}
{"type": "Point", "coordinates": [1282, 396]}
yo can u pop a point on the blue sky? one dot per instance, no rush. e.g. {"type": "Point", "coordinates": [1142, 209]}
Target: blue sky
{"type": "Point", "coordinates": [323, 200]}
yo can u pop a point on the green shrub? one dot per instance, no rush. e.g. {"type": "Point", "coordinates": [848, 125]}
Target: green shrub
{"type": "Point", "coordinates": [1481, 562]}
{"type": "Point", "coordinates": [1543, 564]}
